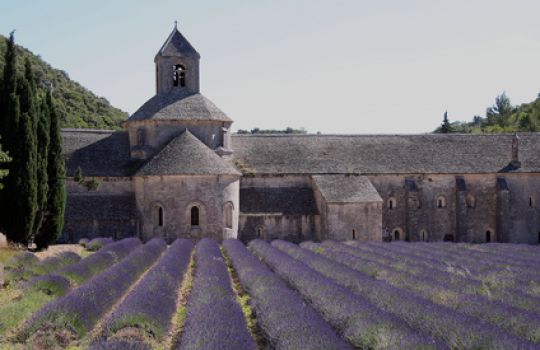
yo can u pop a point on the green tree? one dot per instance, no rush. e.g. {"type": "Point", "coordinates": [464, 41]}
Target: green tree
{"type": "Point", "coordinates": [445, 126]}
{"type": "Point", "coordinates": [499, 112]}
{"type": "Point", "coordinates": [56, 201]}
{"type": "Point", "coordinates": [42, 132]}
{"type": "Point", "coordinates": [9, 119]}
{"type": "Point", "coordinates": [25, 163]}
{"type": "Point", "coordinates": [4, 158]}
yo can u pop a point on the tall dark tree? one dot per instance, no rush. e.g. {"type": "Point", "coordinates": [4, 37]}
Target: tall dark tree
{"type": "Point", "coordinates": [445, 126]}
{"type": "Point", "coordinates": [24, 201]}
{"type": "Point", "coordinates": [9, 119]}
{"type": "Point", "coordinates": [42, 131]}
{"type": "Point", "coordinates": [8, 89]}
{"type": "Point", "coordinates": [56, 201]}
{"type": "Point", "coordinates": [4, 158]}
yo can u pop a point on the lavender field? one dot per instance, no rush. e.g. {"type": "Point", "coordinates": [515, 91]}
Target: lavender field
{"type": "Point", "coordinates": [278, 295]}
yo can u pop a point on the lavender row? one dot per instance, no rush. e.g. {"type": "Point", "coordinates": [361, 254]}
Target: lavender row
{"type": "Point", "coordinates": [487, 263]}
{"type": "Point", "coordinates": [82, 308]}
{"type": "Point", "coordinates": [99, 261]}
{"type": "Point", "coordinates": [152, 304]}
{"type": "Point", "coordinates": [468, 253]}
{"type": "Point", "coordinates": [526, 251]}
{"type": "Point", "coordinates": [46, 266]}
{"type": "Point", "coordinates": [214, 318]}
{"type": "Point", "coordinates": [523, 323]}
{"type": "Point", "coordinates": [424, 266]}
{"type": "Point", "coordinates": [286, 320]}
{"type": "Point", "coordinates": [497, 278]}
{"type": "Point", "coordinates": [456, 329]}
{"type": "Point", "coordinates": [501, 252]}
{"type": "Point", "coordinates": [21, 260]}
{"type": "Point", "coordinates": [360, 322]}
{"type": "Point", "coordinates": [98, 243]}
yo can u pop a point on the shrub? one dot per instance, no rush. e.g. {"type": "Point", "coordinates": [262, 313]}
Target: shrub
{"type": "Point", "coordinates": [81, 309]}
{"type": "Point", "coordinates": [214, 320]}
{"type": "Point", "coordinates": [98, 243]}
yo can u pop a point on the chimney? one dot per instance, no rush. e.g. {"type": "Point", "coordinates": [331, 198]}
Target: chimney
{"type": "Point", "coordinates": [515, 163]}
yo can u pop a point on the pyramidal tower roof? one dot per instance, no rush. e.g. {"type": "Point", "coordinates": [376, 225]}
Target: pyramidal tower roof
{"type": "Point", "coordinates": [187, 155]}
{"type": "Point", "coordinates": [177, 45]}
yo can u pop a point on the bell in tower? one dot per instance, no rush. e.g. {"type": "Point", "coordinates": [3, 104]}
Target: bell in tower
{"type": "Point", "coordinates": [177, 65]}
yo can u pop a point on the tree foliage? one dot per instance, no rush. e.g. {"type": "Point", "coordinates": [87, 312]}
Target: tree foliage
{"type": "Point", "coordinates": [501, 117]}
{"type": "Point", "coordinates": [287, 130]}
{"type": "Point", "coordinates": [4, 158]}
{"type": "Point", "coordinates": [33, 201]}
{"type": "Point", "coordinates": [77, 106]}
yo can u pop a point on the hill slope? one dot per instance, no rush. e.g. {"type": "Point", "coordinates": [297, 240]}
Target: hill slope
{"type": "Point", "coordinates": [80, 108]}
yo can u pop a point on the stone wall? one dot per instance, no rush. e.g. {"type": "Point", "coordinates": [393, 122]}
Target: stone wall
{"type": "Point", "coordinates": [294, 228]}
{"type": "Point", "coordinates": [108, 211]}
{"type": "Point", "coordinates": [176, 195]}
{"type": "Point", "coordinates": [475, 208]}
{"type": "Point", "coordinates": [524, 208]}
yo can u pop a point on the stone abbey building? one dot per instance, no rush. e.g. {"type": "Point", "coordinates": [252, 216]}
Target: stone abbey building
{"type": "Point", "coordinates": [176, 170]}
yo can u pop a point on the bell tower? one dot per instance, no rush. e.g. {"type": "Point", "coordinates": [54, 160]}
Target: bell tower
{"type": "Point", "coordinates": [177, 65]}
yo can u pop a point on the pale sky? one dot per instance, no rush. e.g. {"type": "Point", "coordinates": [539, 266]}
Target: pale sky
{"type": "Point", "coordinates": [335, 66]}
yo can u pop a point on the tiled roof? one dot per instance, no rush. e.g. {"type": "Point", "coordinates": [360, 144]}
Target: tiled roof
{"type": "Point", "coordinates": [97, 152]}
{"type": "Point", "coordinates": [346, 188]}
{"type": "Point", "coordinates": [179, 104]}
{"type": "Point", "coordinates": [187, 155]}
{"type": "Point", "coordinates": [177, 45]}
{"type": "Point", "coordinates": [385, 154]}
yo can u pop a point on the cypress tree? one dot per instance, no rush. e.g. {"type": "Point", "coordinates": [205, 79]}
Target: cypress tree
{"type": "Point", "coordinates": [42, 132]}
{"type": "Point", "coordinates": [445, 126]}
{"type": "Point", "coordinates": [25, 163]}
{"type": "Point", "coordinates": [56, 201]}
{"type": "Point", "coordinates": [9, 118]}
{"type": "Point", "coordinates": [4, 158]}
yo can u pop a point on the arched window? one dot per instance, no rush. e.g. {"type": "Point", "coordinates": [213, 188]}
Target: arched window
{"type": "Point", "coordinates": [354, 234]}
{"type": "Point", "coordinates": [194, 216]}
{"type": "Point", "coordinates": [159, 217]}
{"type": "Point", "coordinates": [259, 231]}
{"type": "Point", "coordinates": [140, 137]}
{"type": "Point", "coordinates": [228, 212]}
{"type": "Point", "coordinates": [471, 201]}
{"type": "Point", "coordinates": [532, 202]}
{"type": "Point", "coordinates": [423, 235]}
{"type": "Point", "coordinates": [441, 202]}
{"type": "Point", "coordinates": [488, 236]}
{"type": "Point", "coordinates": [397, 234]}
{"type": "Point", "coordinates": [391, 204]}
{"type": "Point", "coordinates": [179, 75]}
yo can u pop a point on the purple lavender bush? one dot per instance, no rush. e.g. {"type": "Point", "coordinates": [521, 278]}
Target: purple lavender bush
{"type": "Point", "coordinates": [523, 323]}
{"type": "Point", "coordinates": [84, 242]}
{"type": "Point", "coordinates": [287, 322]}
{"type": "Point", "coordinates": [456, 329]}
{"type": "Point", "coordinates": [152, 304]}
{"type": "Point", "coordinates": [98, 243]}
{"type": "Point", "coordinates": [120, 344]}
{"type": "Point", "coordinates": [214, 318]}
{"type": "Point", "coordinates": [49, 284]}
{"type": "Point", "coordinates": [99, 261]}
{"type": "Point", "coordinates": [21, 260]}
{"type": "Point", "coordinates": [359, 321]}
{"type": "Point", "coordinates": [82, 308]}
